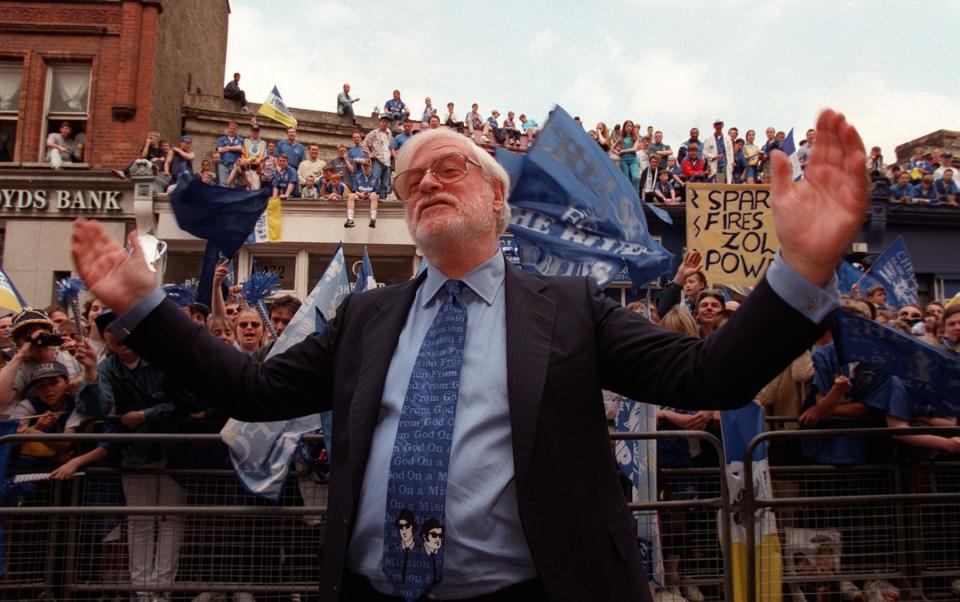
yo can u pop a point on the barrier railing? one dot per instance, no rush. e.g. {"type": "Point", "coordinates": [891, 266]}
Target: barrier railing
{"type": "Point", "coordinates": [863, 527]}
{"type": "Point", "coordinates": [864, 530]}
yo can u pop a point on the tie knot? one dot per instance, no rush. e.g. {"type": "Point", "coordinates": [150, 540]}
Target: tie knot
{"type": "Point", "coordinates": [453, 288]}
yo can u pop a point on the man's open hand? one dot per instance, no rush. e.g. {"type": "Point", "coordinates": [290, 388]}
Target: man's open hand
{"type": "Point", "coordinates": [817, 218]}
{"type": "Point", "coordinates": [118, 277]}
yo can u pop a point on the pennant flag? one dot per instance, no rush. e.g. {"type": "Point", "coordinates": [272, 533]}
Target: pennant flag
{"type": "Point", "coordinates": [261, 451]}
{"type": "Point", "coordinates": [953, 301]}
{"type": "Point", "coordinates": [638, 462]}
{"type": "Point", "coordinates": [10, 298]}
{"type": "Point", "coordinates": [739, 427]}
{"type": "Point", "coordinates": [789, 147]}
{"type": "Point", "coordinates": [223, 216]}
{"type": "Point", "coordinates": [575, 213]}
{"type": "Point", "coordinates": [269, 225]}
{"type": "Point", "coordinates": [7, 427]}
{"type": "Point", "coordinates": [274, 108]}
{"type": "Point", "coordinates": [365, 279]}
{"type": "Point", "coordinates": [923, 368]}
{"type": "Point", "coordinates": [848, 275]}
{"type": "Point", "coordinates": [894, 270]}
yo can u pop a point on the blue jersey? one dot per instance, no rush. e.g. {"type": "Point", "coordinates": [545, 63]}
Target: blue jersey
{"type": "Point", "coordinates": [365, 183]}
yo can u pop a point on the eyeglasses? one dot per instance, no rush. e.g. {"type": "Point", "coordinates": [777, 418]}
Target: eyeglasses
{"type": "Point", "coordinates": [405, 526]}
{"type": "Point", "coordinates": [249, 324]}
{"type": "Point", "coordinates": [447, 169]}
{"type": "Point", "coordinates": [435, 535]}
{"type": "Point", "coordinates": [231, 310]}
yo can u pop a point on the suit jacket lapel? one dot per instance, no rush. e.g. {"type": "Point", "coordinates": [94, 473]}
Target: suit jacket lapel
{"type": "Point", "coordinates": [530, 318]}
{"type": "Point", "coordinates": [380, 335]}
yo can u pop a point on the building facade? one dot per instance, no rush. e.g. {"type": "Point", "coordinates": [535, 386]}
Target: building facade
{"type": "Point", "coordinates": [114, 70]}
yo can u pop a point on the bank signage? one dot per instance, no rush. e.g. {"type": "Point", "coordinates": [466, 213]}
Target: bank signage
{"type": "Point", "coordinates": [25, 200]}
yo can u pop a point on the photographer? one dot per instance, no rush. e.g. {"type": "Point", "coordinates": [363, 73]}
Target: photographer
{"type": "Point", "coordinates": [36, 343]}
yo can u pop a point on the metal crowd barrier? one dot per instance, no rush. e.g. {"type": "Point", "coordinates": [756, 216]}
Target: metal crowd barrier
{"type": "Point", "coordinates": [839, 527]}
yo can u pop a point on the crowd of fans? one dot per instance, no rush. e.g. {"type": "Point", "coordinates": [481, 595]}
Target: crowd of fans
{"type": "Point", "coordinates": [54, 376]}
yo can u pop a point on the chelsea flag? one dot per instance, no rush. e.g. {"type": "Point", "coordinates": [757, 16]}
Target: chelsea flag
{"type": "Point", "coordinates": [274, 108]}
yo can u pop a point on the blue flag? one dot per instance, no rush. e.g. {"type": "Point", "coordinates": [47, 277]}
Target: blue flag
{"type": "Point", "coordinates": [261, 451]}
{"type": "Point", "coordinates": [223, 216]}
{"type": "Point", "coordinates": [365, 279]}
{"type": "Point", "coordinates": [7, 427]}
{"type": "Point", "coordinates": [575, 213]}
{"type": "Point", "coordinates": [922, 367]}
{"type": "Point", "coordinates": [894, 270]}
{"type": "Point", "coordinates": [789, 148]}
{"type": "Point", "coordinates": [849, 275]}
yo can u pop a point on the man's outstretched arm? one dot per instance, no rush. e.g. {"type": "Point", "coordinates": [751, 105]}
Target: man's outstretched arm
{"type": "Point", "coordinates": [295, 384]}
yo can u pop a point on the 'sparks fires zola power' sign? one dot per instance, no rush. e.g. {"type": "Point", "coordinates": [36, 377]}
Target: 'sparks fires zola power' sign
{"type": "Point", "coordinates": [24, 200]}
{"type": "Point", "coordinates": [732, 227]}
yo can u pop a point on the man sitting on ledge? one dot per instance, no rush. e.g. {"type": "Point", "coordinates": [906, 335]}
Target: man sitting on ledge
{"type": "Point", "coordinates": [476, 378]}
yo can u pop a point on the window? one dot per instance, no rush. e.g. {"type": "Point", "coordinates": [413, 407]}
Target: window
{"type": "Point", "coordinates": [68, 98]}
{"type": "Point", "coordinates": [11, 76]}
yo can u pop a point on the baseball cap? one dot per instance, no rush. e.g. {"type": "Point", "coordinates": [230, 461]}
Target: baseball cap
{"type": "Point", "coordinates": [717, 120]}
{"type": "Point", "coordinates": [186, 138]}
{"type": "Point", "coordinates": [47, 370]}
{"type": "Point", "coordinates": [30, 316]}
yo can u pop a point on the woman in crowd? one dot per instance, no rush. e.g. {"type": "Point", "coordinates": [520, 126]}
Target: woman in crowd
{"type": "Point", "coordinates": [223, 329]}
{"type": "Point", "coordinates": [603, 137]}
{"type": "Point", "coordinates": [628, 153]}
{"type": "Point", "coordinates": [679, 527]}
{"type": "Point", "coordinates": [250, 333]}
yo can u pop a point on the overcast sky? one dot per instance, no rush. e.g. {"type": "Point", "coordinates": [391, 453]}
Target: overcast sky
{"type": "Point", "coordinates": [893, 68]}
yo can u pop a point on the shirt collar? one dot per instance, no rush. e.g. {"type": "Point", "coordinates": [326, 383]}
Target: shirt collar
{"type": "Point", "coordinates": [485, 280]}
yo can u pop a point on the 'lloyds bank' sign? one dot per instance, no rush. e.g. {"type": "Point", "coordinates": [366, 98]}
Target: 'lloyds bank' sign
{"type": "Point", "coordinates": [41, 200]}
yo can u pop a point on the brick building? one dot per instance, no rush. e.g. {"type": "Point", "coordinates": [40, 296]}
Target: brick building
{"type": "Point", "coordinates": [115, 69]}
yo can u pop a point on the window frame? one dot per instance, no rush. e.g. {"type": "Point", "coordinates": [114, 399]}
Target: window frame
{"type": "Point", "coordinates": [49, 115]}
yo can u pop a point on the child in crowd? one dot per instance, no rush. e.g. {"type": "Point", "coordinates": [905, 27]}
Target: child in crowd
{"type": "Point", "coordinates": [309, 190]}
{"type": "Point", "coordinates": [663, 190]}
{"type": "Point", "coordinates": [334, 190]}
{"type": "Point", "coordinates": [511, 129]}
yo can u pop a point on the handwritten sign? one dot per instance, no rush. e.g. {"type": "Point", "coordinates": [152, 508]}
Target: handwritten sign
{"type": "Point", "coordinates": [732, 227]}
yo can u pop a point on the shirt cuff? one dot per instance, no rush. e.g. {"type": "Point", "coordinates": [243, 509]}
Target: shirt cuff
{"type": "Point", "coordinates": [804, 296]}
{"type": "Point", "coordinates": [125, 324]}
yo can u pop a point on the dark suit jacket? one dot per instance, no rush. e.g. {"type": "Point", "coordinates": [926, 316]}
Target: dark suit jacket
{"type": "Point", "coordinates": [565, 342]}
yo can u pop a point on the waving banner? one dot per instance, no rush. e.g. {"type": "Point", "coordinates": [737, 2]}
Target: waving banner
{"type": "Point", "coordinates": [575, 213]}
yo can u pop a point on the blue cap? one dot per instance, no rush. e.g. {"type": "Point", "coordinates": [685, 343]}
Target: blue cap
{"type": "Point", "coordinates": [186, 138]}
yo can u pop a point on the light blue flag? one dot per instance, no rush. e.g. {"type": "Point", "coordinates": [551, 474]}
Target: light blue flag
{"type": "Point", "coordinates": [261, 451]}
{"type": "Point", "coordinates": [894, 270]}
{"type": "Point", "coordinates": [365, 279]}
{"type": "Point", "coordinates": [638, 462]}
{"type": "Point", "coordinates": [929, 373]}
{"type": "Point", "coordinates": [575, 213]}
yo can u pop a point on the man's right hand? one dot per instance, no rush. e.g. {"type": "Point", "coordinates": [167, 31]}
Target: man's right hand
{"type": "Point", "coordinates": [118, 277]}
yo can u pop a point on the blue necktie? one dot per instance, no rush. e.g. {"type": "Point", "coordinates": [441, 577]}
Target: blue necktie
{"type": "Point", "coordinates": [417, 486]}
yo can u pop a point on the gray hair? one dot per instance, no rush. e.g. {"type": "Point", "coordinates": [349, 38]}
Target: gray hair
{"type": "Point", "coordinates": [492, 170]}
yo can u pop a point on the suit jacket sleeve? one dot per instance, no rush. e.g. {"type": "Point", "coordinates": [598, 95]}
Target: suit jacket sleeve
{"type": "Point", "coordinates": [723, 371]}
{"type": "Point", "coordinates": [295, 383]}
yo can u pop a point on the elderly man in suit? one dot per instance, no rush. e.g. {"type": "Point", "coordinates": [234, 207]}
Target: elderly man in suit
{"type": "Point", "coordinates": [471, 395]}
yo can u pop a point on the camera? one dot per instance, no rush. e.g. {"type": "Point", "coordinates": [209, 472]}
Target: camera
{"type": "Point", "coordinates": [48, 339]}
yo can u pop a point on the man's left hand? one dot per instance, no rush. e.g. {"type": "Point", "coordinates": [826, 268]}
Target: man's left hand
{"type": "Point", "coordinates": [817, 218]}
